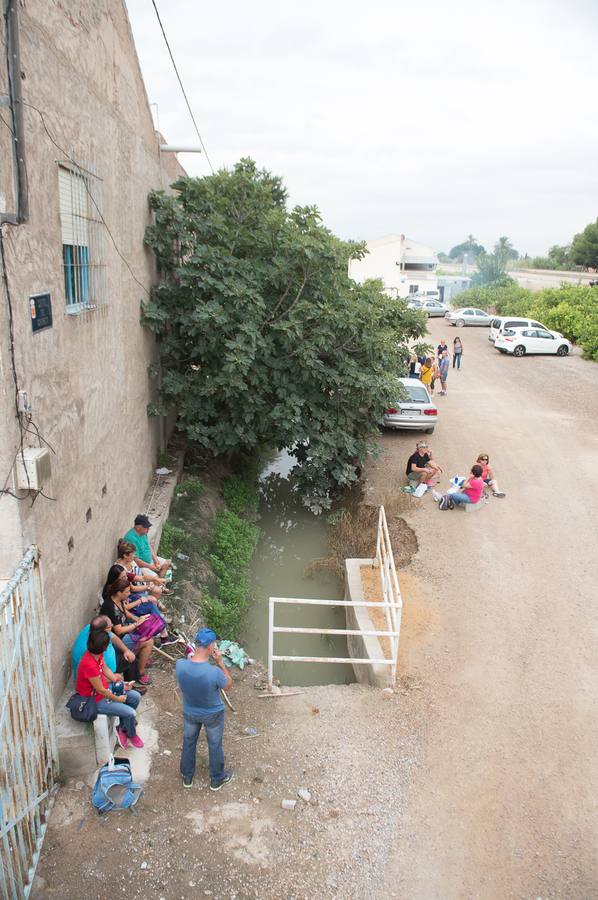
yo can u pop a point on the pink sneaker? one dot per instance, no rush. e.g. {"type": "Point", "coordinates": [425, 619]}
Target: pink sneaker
{"type": "Point", "coordinates": [137, 742]}
{"type": "Point", "coordinates": [144, 679]}
{"type": "Point", "coordinates": [122, 738]}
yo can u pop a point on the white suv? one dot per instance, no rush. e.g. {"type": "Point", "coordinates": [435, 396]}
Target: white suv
{"type": "Point", "coordinates": [498, 325]}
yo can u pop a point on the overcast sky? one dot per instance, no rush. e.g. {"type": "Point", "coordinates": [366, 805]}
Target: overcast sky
{"type": "Point", "coordinates": [430, 118]}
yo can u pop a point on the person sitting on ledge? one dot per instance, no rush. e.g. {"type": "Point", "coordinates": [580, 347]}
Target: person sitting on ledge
{"type": "Point", "coordinates": [93, 678]}
{"type": "Point", "coordinates": [146, 559]}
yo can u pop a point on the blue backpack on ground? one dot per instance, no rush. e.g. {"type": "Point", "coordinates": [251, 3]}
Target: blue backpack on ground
{"type": "Point", "coordinates": [114, 787]}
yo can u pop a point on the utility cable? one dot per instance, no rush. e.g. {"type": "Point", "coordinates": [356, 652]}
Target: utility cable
{"type": "Point", "coordinates": [203, 146]}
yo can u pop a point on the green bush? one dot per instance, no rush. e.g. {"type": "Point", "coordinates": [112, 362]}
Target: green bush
{"type": "Point", "coordinates": [192, 487]}
{"type": "Point", "coordinates": [239, 494]}
{"type": "Point", "coordinates": [173, 539]}
{"type": "Point", "coordinates": [570, 309]}
{"type": "Point", "coordinates": [235, 540]}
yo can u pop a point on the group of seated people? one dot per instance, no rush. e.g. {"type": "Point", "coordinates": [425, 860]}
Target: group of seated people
{"type": "Point", "coordinates": [120, 639]}
{"type": "Point", "coordinates": [423, 468]}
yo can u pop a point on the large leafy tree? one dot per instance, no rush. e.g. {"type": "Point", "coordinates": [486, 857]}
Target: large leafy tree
{"type": "Point", "coordinates": [584, 249]}
{"type": "Point", "coordinates": [492, 267]}
{"type": "Point", "coordinates": [264, 339]}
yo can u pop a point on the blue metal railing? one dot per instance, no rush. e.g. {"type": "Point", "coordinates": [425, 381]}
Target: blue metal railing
{"type": "Point", "coordinates": [28, 755]}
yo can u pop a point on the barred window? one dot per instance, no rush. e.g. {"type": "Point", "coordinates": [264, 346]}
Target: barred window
{"type": "Point", "coordinates": [80, 194]}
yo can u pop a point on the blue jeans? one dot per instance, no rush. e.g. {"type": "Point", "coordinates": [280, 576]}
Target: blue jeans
{"type": "Point", "coordinates": [146, 608]}
{"type": "Point", "coordinates": [457, 360]}
{"type": "Point", "coordinates": [214, 725]}
{"type": "Point", "coordinates": [125, 711]}
{"type": "Point", "coordinates": [460, 497]}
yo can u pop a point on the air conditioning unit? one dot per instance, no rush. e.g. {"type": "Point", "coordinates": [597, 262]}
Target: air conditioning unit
{"type": "Point", "coordinates": [33, 468]}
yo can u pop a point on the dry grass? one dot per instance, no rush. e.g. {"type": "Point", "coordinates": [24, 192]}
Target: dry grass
{"type": "Point", "coordinates": [353, 536]}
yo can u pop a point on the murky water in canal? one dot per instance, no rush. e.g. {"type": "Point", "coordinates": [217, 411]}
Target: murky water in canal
{"type": "Point", "coordinates": [291, 538]}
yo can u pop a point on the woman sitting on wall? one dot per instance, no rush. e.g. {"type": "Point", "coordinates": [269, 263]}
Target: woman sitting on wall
{"type": "Point", "coordinates": [93, 680]}
{"type": "Point", "coordinates": [140, 583]}
{"type": "Point", "coordinates": [137, 633]}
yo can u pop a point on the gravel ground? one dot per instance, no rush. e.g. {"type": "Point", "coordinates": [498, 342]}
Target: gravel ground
{"type": "Point", "coordinates": [352, 748]}
{"type": "Point", "coordinates": [477, 777]}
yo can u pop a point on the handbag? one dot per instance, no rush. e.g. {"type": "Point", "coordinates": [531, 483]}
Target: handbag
{"type": "Point", "coordinates": [83, 709]}
{"type": "Point", "coordinates": [149, 629]}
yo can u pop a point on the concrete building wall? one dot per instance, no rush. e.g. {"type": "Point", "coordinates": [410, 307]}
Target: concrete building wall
{"type": "Point", "coordinates": [387, 259]}
{"type": "Point", "coordinates": [87, 375]}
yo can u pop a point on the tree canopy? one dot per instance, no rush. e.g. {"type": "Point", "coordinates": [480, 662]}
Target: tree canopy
{"type": "Point", "coordinates": [264, 339]}
{"type": "Point", "coordinates": [584, 249]}
{"type": "Point", "coordinates": [470, 246]}
{"type": "Point", "coordinates": [493, 266]}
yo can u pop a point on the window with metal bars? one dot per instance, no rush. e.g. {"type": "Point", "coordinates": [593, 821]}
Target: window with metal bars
{"type": "Point", "coordinates": [80, 194]}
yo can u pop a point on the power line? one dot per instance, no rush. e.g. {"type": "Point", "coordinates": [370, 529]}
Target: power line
{"type": "Point", "coordinates": [203, 146]}
{"type": "Point", "coordinates": [89, 193]}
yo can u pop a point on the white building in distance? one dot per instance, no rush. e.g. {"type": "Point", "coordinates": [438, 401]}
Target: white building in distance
{"type": "Point", "coordinates": [404, 266]}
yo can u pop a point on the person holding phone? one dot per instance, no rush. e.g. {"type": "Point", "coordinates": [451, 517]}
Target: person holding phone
{"type": "Point", "coordinates": [201, 677]}
{"type": "Point", "coordinates": [113, 696]}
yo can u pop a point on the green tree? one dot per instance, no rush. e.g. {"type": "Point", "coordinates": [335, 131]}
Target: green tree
{"type": "Point", "coordinates": [584, 248]}
{"type": "Point", "coordinates": [470, 246]}
{"type": "Point", "coordinates": [264, 339]}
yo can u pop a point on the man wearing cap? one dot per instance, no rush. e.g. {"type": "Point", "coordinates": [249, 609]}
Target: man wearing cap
{"type": "Point", "coordinates": [200, 683]}
{"type": "Point", "coordinates": [146, 559]}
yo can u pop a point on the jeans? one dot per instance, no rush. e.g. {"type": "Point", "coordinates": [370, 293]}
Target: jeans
{"type": "Point", "coordinates": [460, 497]}
{"type": "Point", "coordinates": [125, 711]}
{"type": "Point", "coordinates": [214, 725]}
{"type": "Point", "coordinates": [146, 608]}
{"type": "Point", "coordinates": [457, 360]}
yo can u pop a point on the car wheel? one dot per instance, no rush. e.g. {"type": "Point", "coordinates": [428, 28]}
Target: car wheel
{"type": "Point", "coordinates": [460, 323]}
{"type": "Point", "coordinates": [519, 350]}
{"type": "Point", "coordinates": [429, 431]}
{"type": "Point", "coordinates": [563, 350]}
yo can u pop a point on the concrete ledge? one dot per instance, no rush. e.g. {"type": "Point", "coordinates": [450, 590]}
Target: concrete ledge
{"type": "Point", "coordinates": [363, 646]}
{"type": "Point", "coordinates": [82, 747]}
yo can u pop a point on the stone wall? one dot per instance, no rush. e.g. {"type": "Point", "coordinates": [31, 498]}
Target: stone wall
{"type": "Point", "coordinates": [86, 376]}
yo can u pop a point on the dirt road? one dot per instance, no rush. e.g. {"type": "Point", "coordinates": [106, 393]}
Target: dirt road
{"type": "Point", "coordinates": [504, 804]}
{"type": "Point", "coordinates": [477, 778]}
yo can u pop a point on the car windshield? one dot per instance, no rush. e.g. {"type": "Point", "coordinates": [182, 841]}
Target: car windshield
{"type": "Point", "coordinates": [416, 394]}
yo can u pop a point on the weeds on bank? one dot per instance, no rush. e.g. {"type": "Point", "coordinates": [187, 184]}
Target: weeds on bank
{"type": "Point", "coordinates": [234, 542]}
{"type": "Point", "coordinates": [173, 539]}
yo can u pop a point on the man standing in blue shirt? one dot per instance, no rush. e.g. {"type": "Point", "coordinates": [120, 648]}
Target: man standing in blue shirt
{"type": "Point", "coordinates": [200, 683]}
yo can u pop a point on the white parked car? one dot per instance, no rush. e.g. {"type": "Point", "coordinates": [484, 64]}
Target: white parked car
{"type": "Point", "coordinates": [468, 315]}
{"type": "Point", "coordinates": [520, 341]}
{"type": "Point", "coordinates": [417, 412]}
{"type": "Point", "coordinates": [500, 323]}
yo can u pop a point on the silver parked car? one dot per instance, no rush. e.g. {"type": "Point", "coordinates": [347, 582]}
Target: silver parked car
{"type": "Point", "coordinates": [468, 315]}
{"type": "Point", "coordinates": [416, 412]}
{"type": "Point", "coordinates": [434, 308]}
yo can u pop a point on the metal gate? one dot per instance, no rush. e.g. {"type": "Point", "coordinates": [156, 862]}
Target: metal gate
{"type": "Point", "coordinates": [28, 757]}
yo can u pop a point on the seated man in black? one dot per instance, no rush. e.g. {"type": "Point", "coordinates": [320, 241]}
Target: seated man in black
{"type": "Point", "coordinates": [422, 467]}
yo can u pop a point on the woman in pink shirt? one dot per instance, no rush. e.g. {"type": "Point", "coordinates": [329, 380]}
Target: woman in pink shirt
{"type": "Point", "coordinates": [471, 490]}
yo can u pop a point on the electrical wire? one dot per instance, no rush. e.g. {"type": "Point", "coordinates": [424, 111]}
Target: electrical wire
{"type": "Point", "coordinates": [91, 197]}
{"type": "Point", "coordinates": [19, 415]}
{"type": "Point", "coordinates": [203, 146]}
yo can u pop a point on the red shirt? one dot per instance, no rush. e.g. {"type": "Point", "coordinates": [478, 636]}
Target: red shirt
{"type": "Point", "coordinates": [89, 667]}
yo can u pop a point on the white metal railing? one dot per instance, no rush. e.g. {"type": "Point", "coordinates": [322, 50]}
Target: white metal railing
{"type": "Point", "coordinates": [391, 604]}
{"type": "Point", "coordinates": [28, 756]}
{"type": "Point", "coordinates": [389, 584]}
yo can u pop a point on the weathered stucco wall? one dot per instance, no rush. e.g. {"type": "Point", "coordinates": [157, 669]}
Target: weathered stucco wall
{"type": "Point", "coordinates": [87, 376]}
{"type": "Point", "coordinates": [362, 646]}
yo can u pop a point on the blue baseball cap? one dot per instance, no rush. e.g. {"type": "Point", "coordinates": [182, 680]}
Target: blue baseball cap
{"type": "Point", "coordinates": [205, 637]}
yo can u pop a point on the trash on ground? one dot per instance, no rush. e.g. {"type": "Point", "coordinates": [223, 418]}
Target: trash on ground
{"type": "Point", "coordinates": [163, 471]}
{"type": "Point", "coordinates": [288, 804]}
{"type": "Point", "coordinates": [304, 795]}
{"type": "Point", "coordinates": [183, 557]}
{"type": "Point", "coordinates": [250, 729]}
{"type": "Point", "coordinates": [232, 654]}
